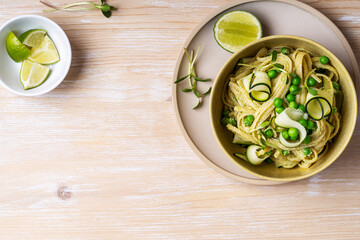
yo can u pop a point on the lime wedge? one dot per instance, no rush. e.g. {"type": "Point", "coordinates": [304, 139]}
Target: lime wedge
{"type": "Point", "coordinates": [16, 50]}
{"type": "Point", "coordinates": [32, 37]}
{"type": "Point", "coordinates": [45, 52]}
{"type": "Point", "coordinates": [235, 29]}
{"type": "Point", "coordinates": [33, 74]}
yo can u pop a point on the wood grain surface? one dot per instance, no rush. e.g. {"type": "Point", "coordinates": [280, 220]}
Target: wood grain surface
{"type": "Point", "coordinates": [102, 156]}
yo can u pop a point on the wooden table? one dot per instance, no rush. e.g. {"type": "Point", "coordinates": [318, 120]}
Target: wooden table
{"type": "Point", "coordinates": [102, 156]}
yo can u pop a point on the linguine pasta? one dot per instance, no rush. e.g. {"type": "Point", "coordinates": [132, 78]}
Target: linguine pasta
{"type": "Point", "coordinates": [300, 63]}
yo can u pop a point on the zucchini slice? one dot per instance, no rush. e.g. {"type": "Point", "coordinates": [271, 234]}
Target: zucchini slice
{"type": "Point", "coordinates": [258, 86]}
{"type": "Point", "coordinates": [319, 106]}
{"type": "Point", "coordinates": [289, 119]}
{"type": "Point", "coordinates": [251, 155]}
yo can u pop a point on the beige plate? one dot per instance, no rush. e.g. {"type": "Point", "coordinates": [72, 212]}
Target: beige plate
{"type": "Point", "coordinates": [292, 18]}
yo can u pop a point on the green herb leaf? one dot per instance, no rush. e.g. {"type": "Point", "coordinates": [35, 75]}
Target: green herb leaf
{"type": "Point", "coordinates": [287, 80]}
{"type": "Point", "coordinates": [278, 65]}
{"type": "Point", "coordinates": [200, 80]}
{"type": "Point", "coordinates": [198, 104]}
{"type": "Point", "coordinates": [181, 79]}
{"type": "Point", "coordinates": [106, 13]}
{"type": "Point", "coordinates": [263, 142]}
{"type": "Point", "coordinates": [293, 75]}
{"type": "Point", "coordinates": [207, 92]}
{"type": "Point", "coordinates": [196, 93]}
{"type": "Point", "coordinates": [312, 91]}
{"type": "Point", "coordinates": [273, 56]}
{"type": "Point", "coordinates": [264, 124]}
{"type": "Point", "coordinates": [187, 90]}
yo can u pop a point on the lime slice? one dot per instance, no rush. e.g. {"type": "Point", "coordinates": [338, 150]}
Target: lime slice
{"type": "Point", "coordinates": [16, 50]}
{"type": "Point", "coordinates": [32, 37]}
{"type": "Point", "coordinates": [45, 52]}
{"type": "Point", "coordinates": [33, 74]}
{"type": "Point", "coordinates": [235, 29]}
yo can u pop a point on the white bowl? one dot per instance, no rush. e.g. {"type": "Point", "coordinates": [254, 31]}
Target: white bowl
{"type": "Point", "coordinates": [10, 70]}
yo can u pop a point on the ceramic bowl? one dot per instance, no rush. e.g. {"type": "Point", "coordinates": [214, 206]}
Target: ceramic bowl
{"type": "Point", "coordinates": [269, 171]}
{"type": "Point", "coordinates": [10, 70]}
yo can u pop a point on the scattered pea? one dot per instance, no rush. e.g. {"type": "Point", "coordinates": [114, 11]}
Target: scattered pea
{"type": "Point", "coordinates": [269, 133]}
{"type": "Point", "coordinates": [285, 134]}
{"type": "Point", "coordinates": [249, 120]}
{"type": "Point", "coordinates": [296, 81]}
{"type": "Point", "coordinates": [290, 97]}
{"type": "Point", "coordinates": [310, 125]}
{"type": "Point", "coordinates": [294, 89]}
{"type": "Point", "coordinates": [293, 133]}
{"type": "Point", "coordinates": [271, 73]}
{"type": "Point", "coordinates": [293, 138]}
{"type": "Point", "coordinates": [279, 109]}
{"type": "Point", "coordinates": [324, 59]}
{"type": "Point", "coordinates": [311, 82]}
{"type": "Point", "coordinates": [302, 108]}
{"type": "Point", "coordinates": [278, 102]}
{"type": "Point", "coordinates": [303, 122]}
{"type": "Point", "coordinates": [307, 151]}
{"type": "Point", "coordinates": [285, 152]}
{"type": "Point", "coordinates": [293, 104]}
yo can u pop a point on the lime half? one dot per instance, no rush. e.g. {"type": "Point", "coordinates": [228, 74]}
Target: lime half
{"type": "Point", "coordinates": [33, 74]}
{"type": "Point", "coordinates": [16, 50]}
{"type": "Point", "coordinates": [45, 52]}
{"type": "Point", "coordinates": [32, 37]}
{"type": "Point", "coordinates": [235, 29]}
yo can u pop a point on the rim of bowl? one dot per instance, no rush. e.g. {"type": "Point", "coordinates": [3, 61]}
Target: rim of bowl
{"type": "Point", "coordinates": [67, 66]}
{"type": "Point", "coordinates": [334, 157]}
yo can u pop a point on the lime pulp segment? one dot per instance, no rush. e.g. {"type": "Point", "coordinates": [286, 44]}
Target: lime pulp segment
{"type": "Point", "coordinates": [236, 29]}
{"type": "Point", "coordinates": [32, 37]}
{"type": "Point", "coordinates": [33, 74]}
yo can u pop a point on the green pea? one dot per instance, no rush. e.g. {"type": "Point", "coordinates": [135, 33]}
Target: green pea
{"type": "Point", "coordinates": [296, 81]}
{"type": "Point", "coordinates": [271, 73]}
{"type": "Point", "coordinates": [269, 133]}
{"type": "Point", "coordinates": [294, 89]}
{"type": "Point", "coordinates": [293, 138]}
{"type": "Point", "coordinates": [302, 108]}
{"type": "Point", "coordinates": [250, 118]}
{"type": "Point", "coordinates": [293, 104]}
{"type": "Point", "coordinates": [306, 151]}
{"type": "Point", "coordinates": [307, 140]}
{"type": "Point", "coordinates": [293, 132]}
{"type": "Point", "coordinates": [324, 59]}
{"type": "Point", "coordinates": [279, 109]}
{"type": "Point", "coordinates": [290, 97]}
{"type": "Point", "coordinates": [285, 134]}
{"type": "Point", "coordinates": [310, 125]}
{"type": "Point", "coordinates": [285, 152]}
{"type": "Point", "coordinates": [311, 82]}
{"type": "Point", "coordinates": [278, 102]}
{"type": "Point", "coordinates": [336, 85]}
{"type": "Point", "coordinates": [285, 50]}
{"type": "Point", "coordinates": [303, 122]}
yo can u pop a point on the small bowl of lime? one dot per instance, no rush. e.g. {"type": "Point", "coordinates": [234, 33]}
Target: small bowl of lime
{"type": "Point", "coordinates": [35, 55]}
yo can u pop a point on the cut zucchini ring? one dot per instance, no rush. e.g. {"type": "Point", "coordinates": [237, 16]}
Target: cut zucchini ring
{"type": "Point", "coordinates": [319, 106]}
{"type": "Point", "coordinates": [251, 155]}
{"type": "Point", "coordinates": [260, 96]}
{"type": "Point", "coordinates": [258, 86]}
{"type": "Point", "coordinates": [289, 119]}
